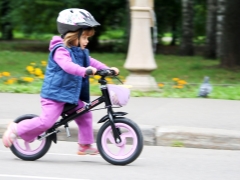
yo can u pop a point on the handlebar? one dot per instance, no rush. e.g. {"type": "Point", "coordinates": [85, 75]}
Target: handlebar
{"type": "Point", "coordinates": [103, 72]}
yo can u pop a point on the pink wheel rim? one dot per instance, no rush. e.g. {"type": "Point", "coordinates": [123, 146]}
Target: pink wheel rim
{"type": "Point", "coordinates": [123, 151]}
{"type": "Point", "coordinates": [27, 148]}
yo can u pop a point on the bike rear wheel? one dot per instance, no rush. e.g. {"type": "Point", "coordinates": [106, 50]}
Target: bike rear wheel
{"type": "Point", "coordinates": [124, 152]}
{"type": "Point", "coordinates": [30, 151]}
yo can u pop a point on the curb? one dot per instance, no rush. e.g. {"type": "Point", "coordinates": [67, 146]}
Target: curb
{"type": "Point", "coordinates": [174, 136]}
{"type": "Point", "coordinates": [192, 137]}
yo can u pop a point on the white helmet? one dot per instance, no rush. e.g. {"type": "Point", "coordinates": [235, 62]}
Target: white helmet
{"type": "Point", "coordinates": [73, 19]}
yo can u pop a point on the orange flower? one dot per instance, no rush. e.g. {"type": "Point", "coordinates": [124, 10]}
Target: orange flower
{"type": "Point", "coordinates": [182, 82]}
{"type": "Point", "coordinates": [161, 85]}
{"type": "Point", "coordinates": [179, 87]}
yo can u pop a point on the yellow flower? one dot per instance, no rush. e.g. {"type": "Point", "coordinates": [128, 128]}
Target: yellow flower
{"type": "Point", "coordinates": [33, 64]}
{"type": "Point", "coordinates": [0, 75]}
{"type": "Point", "coordinates": [41, 76]}
{"type": "Point", "coordinates": [27, 79]}
{"type": "Point", "coordinates": [179, 87]}
{"type": "Point", "coordinates": [97, 77]}
{"type": "Point", "coordinates": [91, 80]}
{"type": "Point", "coordinates": [6, 74]}
{"type": "Point", "coordinates": [10, 81]}
{"type": "Point", "coordinates": [121, 77]}
{"type": "Point", "coordinates": [161, 85]}
{"type": "Point", "coordinates": [30, 69]}
{"type": "Point", "coordinates": [175, 79]}
{"type": "Point", "coordinates": [38, 72]}
{"type": "Point", "coordinates": [44, 63]}
{"type": "Point", "coordinates": [109, 80]}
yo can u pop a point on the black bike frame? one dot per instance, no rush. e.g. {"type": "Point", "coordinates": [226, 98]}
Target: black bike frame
{"type": "Point", "coordinates": [76, 113]}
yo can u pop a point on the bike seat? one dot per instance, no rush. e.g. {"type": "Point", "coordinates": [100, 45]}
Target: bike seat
{"type": "Point", "coordinates": [68, 107]}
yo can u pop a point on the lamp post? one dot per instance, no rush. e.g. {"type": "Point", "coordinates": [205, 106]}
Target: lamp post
{"type": "Point", "coordinates": [140, 59]}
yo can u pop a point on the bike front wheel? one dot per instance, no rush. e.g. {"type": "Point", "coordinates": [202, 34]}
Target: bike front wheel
{"type": "Point", "coordinates": [128, 149]}
{"type": "Point", "coordinates": [30, 151]}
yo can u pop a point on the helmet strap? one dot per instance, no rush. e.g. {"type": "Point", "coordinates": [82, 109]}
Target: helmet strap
{"type": "Point", "coordinates": [63, 35]}
{"type": "Point", "coordinates": [79, 35]}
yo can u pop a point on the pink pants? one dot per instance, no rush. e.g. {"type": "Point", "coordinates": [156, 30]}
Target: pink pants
{"type": "Point", "coordinates": [51, 110]}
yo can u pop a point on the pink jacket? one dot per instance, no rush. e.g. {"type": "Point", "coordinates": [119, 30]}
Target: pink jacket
{"type": "Point", "coordinates": [63, 59]}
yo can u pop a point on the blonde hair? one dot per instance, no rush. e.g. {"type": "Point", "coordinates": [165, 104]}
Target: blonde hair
{"type": "Point", "coordinates": [71, 37]}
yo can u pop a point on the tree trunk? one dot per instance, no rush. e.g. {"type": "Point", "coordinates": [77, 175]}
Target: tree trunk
{"type": "Point", "coordinates": [221, 6]}
{"type": "Point", "coordinates": [128, 23]}
{"type": "Point", "coordinates": [6, 27]}
{"type": "Point", "coordinates": [186, 47]}
{"type": "Point", "coordinates": [211, 27]}
{"type": "Point", "coordinates": [231, 42]}
{"type": "Point", "coordinates": [174, 34]}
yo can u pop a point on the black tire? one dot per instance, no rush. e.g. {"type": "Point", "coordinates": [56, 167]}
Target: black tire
{"type": "Point", "coordinates": [30, 155]}
{"type": "Point", "coordinates": [123, 159]}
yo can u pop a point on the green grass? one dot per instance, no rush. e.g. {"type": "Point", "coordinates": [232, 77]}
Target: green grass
{"type": "Point", "coordinates": [177, 144]}
{"type": "Point", "coordinates": [112, 34]}
{"type": "Point", "coordinates": [108, 35]}
{"type": "Point", "coordinates": [15, 62]}
{"type": "Point", "coordinates": [226, 83]}
{"type": "Point", "coordinates": [193, 69]}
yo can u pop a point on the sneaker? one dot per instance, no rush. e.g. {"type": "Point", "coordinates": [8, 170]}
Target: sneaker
{"type": "Point", "coordinates": [10, 135]}
{"type": "Point", "coordinates": [87, 149]}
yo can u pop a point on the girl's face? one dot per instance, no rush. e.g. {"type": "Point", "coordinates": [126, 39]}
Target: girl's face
{"type": "Point", "coordinates": [83, 41]}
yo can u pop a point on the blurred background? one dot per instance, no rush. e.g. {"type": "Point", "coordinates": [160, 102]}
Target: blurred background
{"type": "Point", "coordinates": [192, 39]}
{"type": "Point", "coordinates": [198, 20]}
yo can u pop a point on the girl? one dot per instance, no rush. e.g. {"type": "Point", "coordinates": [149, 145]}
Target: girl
{"type": "Point", "coordinates": [65, 81]}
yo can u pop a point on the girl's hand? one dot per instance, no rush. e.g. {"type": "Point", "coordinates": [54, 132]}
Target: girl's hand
{"type": "Point", "coordinates": [115, 69]}
{"type": "Point", "coordinates": [93, 69]}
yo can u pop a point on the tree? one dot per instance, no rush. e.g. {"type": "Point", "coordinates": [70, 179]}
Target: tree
{"type": "Point", "coordinates": [211, 27]}
{"type": "Point", "coordinates": [231, 43]}
{"type": "Point", "coordinates": [221, 6]}
{"type": "Point", "coordinates": [186, 47]}
{"type": "Point", "coordinates": [39, 17]}
{"type": "Point", "coordinates": [110, 14]}
{"type": "Point", "coordinates": [168, 18]}
{"type": "Point", "coordinates": [199, 22]}
{"type": "Point", "coordinates": [5, 23]}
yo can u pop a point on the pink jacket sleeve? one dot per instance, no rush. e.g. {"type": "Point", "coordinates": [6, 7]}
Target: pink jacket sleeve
{"type": "Point", "coordinates": [63, 59]}
{"type": "Point", "coordinates": [97, 64]}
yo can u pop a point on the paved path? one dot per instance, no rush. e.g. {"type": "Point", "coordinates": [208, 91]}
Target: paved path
{"type": "Point", "coordinates": [155, 163]}
{"type": "Point", "coordinates": [201, 113]}
{"type": "Point", "coordinates": [208, 117]}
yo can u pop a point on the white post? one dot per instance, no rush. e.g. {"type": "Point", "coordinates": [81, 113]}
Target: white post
{"type": "Point", "coordinates": [140, 59]}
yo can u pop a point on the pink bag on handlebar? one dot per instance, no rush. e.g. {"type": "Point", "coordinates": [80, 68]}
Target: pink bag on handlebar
{"type": "Point", "coordinates": [118, 95]}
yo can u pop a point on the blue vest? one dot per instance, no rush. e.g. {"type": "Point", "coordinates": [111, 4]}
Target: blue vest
{"type": "Point", "coordinates": [61, 86]}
